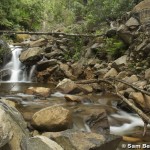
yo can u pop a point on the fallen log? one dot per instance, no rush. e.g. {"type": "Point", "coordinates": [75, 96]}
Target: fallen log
{"type": "Point", "coordinates": [51, 33]}
{"type": "Point", "coordinates": [143, 116]}
{"type": "Point", "coordinates": [131, 85]}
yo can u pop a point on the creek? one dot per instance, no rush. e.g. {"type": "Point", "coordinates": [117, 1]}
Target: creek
{"type": "Point", "coordinates": [121, 123]}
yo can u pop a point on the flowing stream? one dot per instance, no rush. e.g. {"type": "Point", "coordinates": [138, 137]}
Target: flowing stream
{"type": "Point", "coordinates": [121, 123]}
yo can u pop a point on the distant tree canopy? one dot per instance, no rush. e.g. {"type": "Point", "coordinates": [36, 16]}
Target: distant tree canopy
{"type": "Point", "coordinates": [20, 13]}
{"type": "Point", "coordinates": [29, 14]}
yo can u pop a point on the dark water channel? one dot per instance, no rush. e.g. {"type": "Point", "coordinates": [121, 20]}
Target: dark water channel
{"type": "Point", "coordinates": [121, 123]}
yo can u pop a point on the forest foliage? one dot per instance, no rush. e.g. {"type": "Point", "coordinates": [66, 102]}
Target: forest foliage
{"type": "Point", "coordinates": [76, 15]}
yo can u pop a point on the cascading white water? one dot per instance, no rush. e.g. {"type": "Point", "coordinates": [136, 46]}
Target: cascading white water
{"type": "Point", "coordinates": [18, 73]}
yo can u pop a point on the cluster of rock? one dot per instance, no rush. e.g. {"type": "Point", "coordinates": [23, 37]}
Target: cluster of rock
{"type": "Point", "coordinates": [54, 124]}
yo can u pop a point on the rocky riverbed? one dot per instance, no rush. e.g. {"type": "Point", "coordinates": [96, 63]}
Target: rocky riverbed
{"type": "Point", "coordinates": [55, 110]}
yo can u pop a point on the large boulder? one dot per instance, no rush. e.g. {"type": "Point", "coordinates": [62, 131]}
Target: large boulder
{"type": "Point", "coordinates": [67, 86]}
{"type": "Point", "coordinates": [14, 134]}
{"type": "Point", "coordinates": [77, 140]}
{"type": "Point", "coordinates": [40, 91]}
{"type": "Point", "coordinates": [56, 118]}
{"type": "Point", "coordinates": [31, 55]}
{"type": "Point", "coordinates": [143, 11]}
{"type": "Point", "coordinates": [13, 128]}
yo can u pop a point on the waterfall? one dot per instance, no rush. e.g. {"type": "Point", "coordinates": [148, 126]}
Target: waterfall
{"type": "Point", "coordinates": [18, 70]}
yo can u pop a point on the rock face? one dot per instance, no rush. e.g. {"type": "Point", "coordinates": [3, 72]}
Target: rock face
{"type": "Point", "coordinates": [54, 118]}
{"type": "Point", "coordinates": [42, 143]}
{"type": "Point", "coordinates": [40, 91]}
{"type": "Point", "coordinates": [76, 140]}
{"type": "Point", "coordinates": [31, 55]}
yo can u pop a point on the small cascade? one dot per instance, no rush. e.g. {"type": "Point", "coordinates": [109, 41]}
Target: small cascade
{"type": "Point", "coordinates": [18, 70]}
{"type": "Point", "coordinates": [32, 70]}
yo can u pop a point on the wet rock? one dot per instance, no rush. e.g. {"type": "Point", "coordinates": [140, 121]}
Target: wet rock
{"type": "Point", "coordinates": [40, 91]}
{"type": "Point", "coordinates": [73, 98]}
{"type": "Point", "coordinates": [42, 65]}
{"type": "Point", "coordinates": [98, 122]}
{"type": "Point", "coordinates": [39, 43]}
{"type": "Point", "coordinates": [42, 143]}
{"type": "Point", "coordinates": [31, 55]}
{"type": "Point", "coordinates": [111, 73]}
{"type": "Point", "coordinates": [5, 74]}
{"type": "Point", "coordinates": [77, 140]}
{"type": "Point", "coordinates": [56, 118]}
{"type": "Point", "coordinates": [132, 23]}
{"type": "Point", "coordinates": [13, 128]}
{"type": "Point", "coordinates": [67, 86]}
